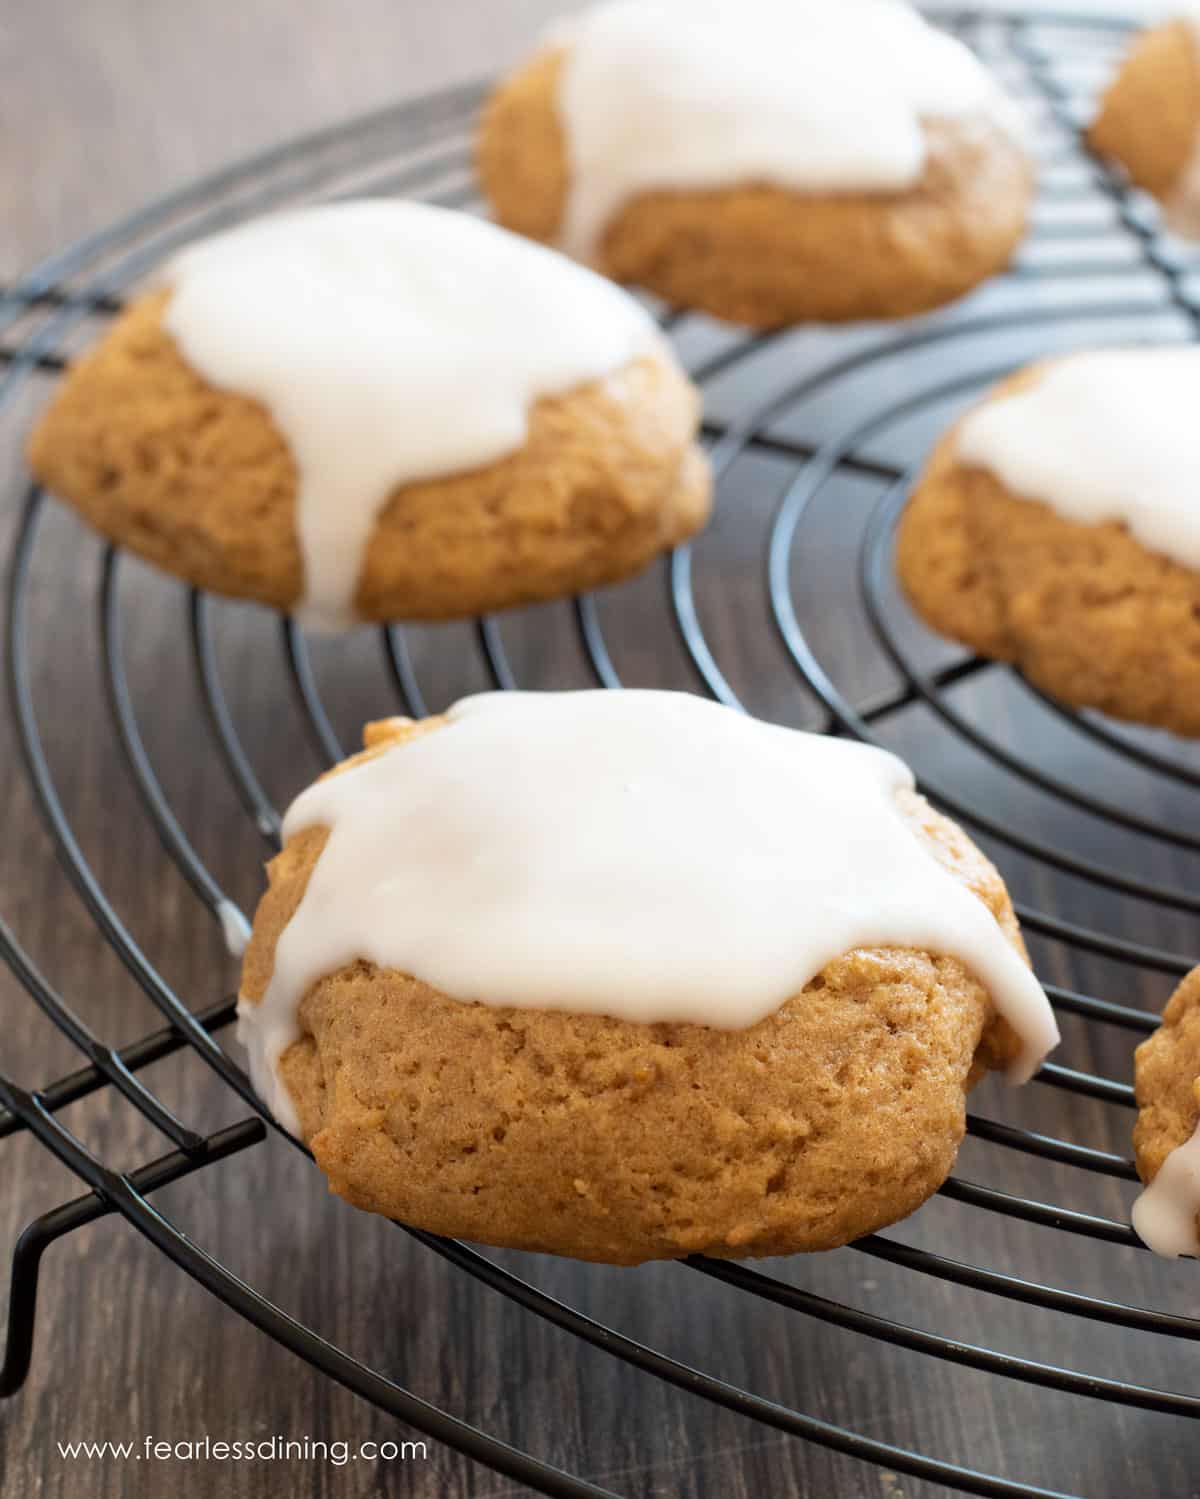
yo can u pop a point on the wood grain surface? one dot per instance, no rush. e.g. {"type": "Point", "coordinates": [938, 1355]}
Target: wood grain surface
{"type": "Point", "coordinates": [104, 106]}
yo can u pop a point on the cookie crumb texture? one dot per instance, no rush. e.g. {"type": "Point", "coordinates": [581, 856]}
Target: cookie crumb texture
{"type": "Point", "coordinates": [1149, 117]}
{"type": "Point", "coordinates": [763, 255]}
{"type": "Point", "coordinates": [200, 481]}
{"type": "Point", "coordinates": [606, 1140]}
{"type": "Point", "coordinates": [1167, 1082]}
{"type": "Point", "coordinates": [1086, 612]}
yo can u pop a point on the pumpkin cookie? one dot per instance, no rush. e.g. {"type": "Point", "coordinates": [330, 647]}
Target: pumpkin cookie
{"type": "Point", "coordinates": [1166, 1140]}
{"type": "Point", "coordinates": [1149, 119]}
{"type": "Point", "coordinates": [1057, 526]}
{"type": "Point", "coordinates": [378, 410]}
{"type": "Point", "coordinates": [794, 163]}
{"type": "Point", "coordinates": [693, 983]}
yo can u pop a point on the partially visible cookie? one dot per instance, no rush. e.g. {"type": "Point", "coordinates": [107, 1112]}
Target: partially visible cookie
{"type": "Point", "coordinates": [318, 414]}
{"type": "Point", "coordinates": [578, 1123]}
{"type": "Point", "coordinates": [1149, 118]}
{"type": "Point", "coordinates": [755, 202]}
{"type": "Point", "coordinates": [1165, 1141]}
{"type": "Point", "coordinates": [1057, 527]}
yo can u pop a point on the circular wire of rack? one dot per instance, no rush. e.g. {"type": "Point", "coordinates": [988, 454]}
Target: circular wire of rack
{"type": "Point", "coordinates": [422, 149]}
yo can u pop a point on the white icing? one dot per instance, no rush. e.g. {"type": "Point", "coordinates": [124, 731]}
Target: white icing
{"type": "Point", "coordinates": [804, 94]}
{"type": "Point", "coordinates": [234, 928]}
{"type": "Point", "coordinates": [1109, 436]}
{"type": "Point", "coordinates": [1164, 1216]}
{"type": "Point", "coordinates": [390, 342]}
{"type": "Point", "coordinates": [647, 855]}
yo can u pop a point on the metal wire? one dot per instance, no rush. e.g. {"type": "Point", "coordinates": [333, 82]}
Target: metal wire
{"type": "Point", "coordinates": [418, 149]}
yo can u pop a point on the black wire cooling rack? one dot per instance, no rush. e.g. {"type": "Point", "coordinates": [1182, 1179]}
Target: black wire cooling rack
{"type": "Point", "coordinates": [822, 407]}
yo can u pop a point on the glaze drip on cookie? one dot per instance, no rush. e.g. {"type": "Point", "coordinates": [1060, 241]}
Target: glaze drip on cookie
{"type": "Point", "coordinates": [650, 856]}
{"type": "Point", "coordinates": [662, 94]}
{"type": "Point", "coordinates": [390, 342]}
{"type": "Point", "coordinates": [1102, 437]}
{"type": "Point", "coordinates": [1165, 1215]}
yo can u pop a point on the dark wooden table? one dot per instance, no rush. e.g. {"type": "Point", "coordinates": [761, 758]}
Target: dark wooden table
{"type": "Point", "coordinates": [103, 106]}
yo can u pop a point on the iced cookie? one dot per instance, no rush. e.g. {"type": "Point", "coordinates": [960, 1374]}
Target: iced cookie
{"type": "Point", "coordinates": [693, 982]}
{"type": "Point", "coordinates": [1166, 1138]}
{"type": "Point", "coordinates": [770, 162]}
{"type": "Point", "coordinates": [377, 410]}
{"type": "Point", "coordinates": [1057, 526]}
{"type": "Point", "coordinates": [1149, 118]}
